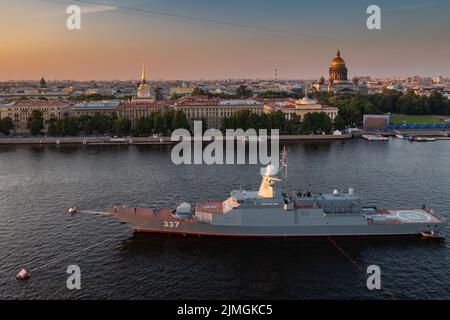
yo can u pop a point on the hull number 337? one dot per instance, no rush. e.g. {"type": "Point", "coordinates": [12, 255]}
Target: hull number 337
{"type": "Point", "coordinates": [171, 224]}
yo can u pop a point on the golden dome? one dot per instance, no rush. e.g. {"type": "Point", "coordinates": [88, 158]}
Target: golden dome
{"type": "Point", "coordinates": [338, 61]}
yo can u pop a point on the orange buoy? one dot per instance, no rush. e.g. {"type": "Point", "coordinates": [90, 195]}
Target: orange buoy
{"type": "Point", "coordinates": [23, 275]}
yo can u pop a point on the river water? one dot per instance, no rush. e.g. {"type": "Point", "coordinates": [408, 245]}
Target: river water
{"type": "Point", "coordinates": [38, 184]}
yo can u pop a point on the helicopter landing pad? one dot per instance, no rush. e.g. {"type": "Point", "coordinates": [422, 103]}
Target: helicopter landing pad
{"type": "Point", "coordinates": [413, 216]}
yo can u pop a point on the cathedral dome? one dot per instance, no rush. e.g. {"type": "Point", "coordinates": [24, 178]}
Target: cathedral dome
{"type": "Point", "coordinates": [338, 70]}
{"type": "Point", "coordinates": [338, 61]}
{"type": "Point", "coordinates": [42, 83]}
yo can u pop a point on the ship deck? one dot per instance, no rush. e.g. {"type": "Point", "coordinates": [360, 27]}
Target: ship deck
{"type": "Point", "coordinates": [374, 216]}
{"type": "Point", "coordinates": [397, 216]}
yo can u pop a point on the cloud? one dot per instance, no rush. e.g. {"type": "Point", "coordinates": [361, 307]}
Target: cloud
{"type": "Point", "coordinates": [96, 9]}
{"type": "Point", "coordinates": [85, 9]}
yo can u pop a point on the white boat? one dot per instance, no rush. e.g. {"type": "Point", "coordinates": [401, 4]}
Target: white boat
{"type": "Point", "coordinates": [370, 137]}
{"type": "Point", "coordinates": [421, 139]}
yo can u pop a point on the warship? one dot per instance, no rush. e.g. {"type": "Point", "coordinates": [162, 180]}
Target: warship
{"type": "Point", "coordinates": [273, 212]}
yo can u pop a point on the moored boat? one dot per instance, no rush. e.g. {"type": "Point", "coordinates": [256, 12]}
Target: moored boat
{"type": "Point", "coordinates": [414, 138]}
{"type": "Point", "coordinates": [370, 137]}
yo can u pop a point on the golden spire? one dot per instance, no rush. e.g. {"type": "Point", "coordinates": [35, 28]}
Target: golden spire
{"type": "Point", "coordinates": [143, 74]}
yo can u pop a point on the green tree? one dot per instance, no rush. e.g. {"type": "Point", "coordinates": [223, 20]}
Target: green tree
{"type": "Point", "coordinates": [245, 119]}
{"type": "Point", "coordinates": [276, 95]}
{"type": "Point", "coordinates": [143, 126]}
{"type": "Point", "coordinates": [352, 108]}
{"type": "Point", "coordinates": [52, 129]}
{"type": "Point", "coordinates": [102, 123]}
{"type": "Point", "coordinates": [71, 126]}
{"type": "Point", "coordinates": [292, 125]}
{"type": "Point", "coordinates": [122, 126]}
{"type": "Point", "coordinates": [36, 122]}
{"type": "Point", "coordinates": [242, 92]}
{"type": "Point", "coordinates": [86, 125]}
{"type": "Point", "coordinates": [199, 92]}
{"type": "Point", "coordinates": [6, 125]}
{"type": "Point", "coordinates": [180, 121]}
{"type": "Point", "coordinates": [278, 120]}
{"type": "Point", "coordinates": [225, 124]}
{"type": "Point", "coordinates": [157, 123]}
{"type": "Point", "coordinates": [167, 121]}
{"type": "Point", "coordinates": [316, 122]}
{"type": "Point", "coordinates": [339, 123]}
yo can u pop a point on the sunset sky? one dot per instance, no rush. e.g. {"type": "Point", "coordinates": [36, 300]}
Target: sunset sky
{"type": "Point", "coordinates": [250, 39]}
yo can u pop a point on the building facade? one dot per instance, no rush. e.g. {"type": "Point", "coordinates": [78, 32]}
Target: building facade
{"type": "Point", "coordinates": [91, 108]}
{"type": "Point", "coordinates": [300, 108]}
{"type": "Point", "coordinates": [181, 91]}
{"type": "Point", "coordinates": [133, 111]}
{"type": "Point", "coordinates": [214, 110]}
{"type": "Point", "coordinates": [21, 111]}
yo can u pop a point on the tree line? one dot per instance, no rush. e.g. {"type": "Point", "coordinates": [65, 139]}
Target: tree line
{"type": "Point", "coordinates": [157, 123]}
{"type": "Point", "coordinates": [351, 110]}
{"type": "Point", "coordinates": [164, 123]}
{"type": "Point", "coordinates": [6, 125]}
{"type": "Point", "coordinates": [161, 123]}
{"type": "Point", "coordinates": [313, 123]}
{"type": "Point", "coordinates": [353, 107]}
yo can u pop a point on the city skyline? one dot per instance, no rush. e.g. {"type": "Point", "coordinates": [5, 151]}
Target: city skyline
{"type": "Point", "coordinates": [204, 40]}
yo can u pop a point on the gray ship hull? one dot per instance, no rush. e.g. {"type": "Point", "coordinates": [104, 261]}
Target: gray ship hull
{"type": "Point", "coordinates": [271, 212]}
{"type": "Point", "coordinates": [145, 220]}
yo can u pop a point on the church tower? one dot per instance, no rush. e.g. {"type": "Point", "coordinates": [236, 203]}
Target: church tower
{"type": "Point", "coordinates": [143, 92]}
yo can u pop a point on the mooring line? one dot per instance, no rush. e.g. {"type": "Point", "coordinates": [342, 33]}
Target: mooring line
{"type": "Point", "coordinates": [56, 259]}
{"type": "Point", "coordinates": [358, 266]}
{"type": "Point", "coordinates": [95, 212]}
{"type": "Point", "coordinates": [51, 261]}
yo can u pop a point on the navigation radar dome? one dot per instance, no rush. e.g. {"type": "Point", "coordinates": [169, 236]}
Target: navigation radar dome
{"type": "Point", "coordinates": [183, 209]}
{"type": "Point", "coordinates": [271, 170]}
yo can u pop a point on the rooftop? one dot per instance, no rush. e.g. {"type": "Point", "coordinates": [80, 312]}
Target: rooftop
{"type": "Point", "coordinates": [236, 102]}
{"type": "Point", "coordinates": [197, 101]}
{"type": "Point", "coordinates": [143, 104]}
{"type": "Point", "coordinates": [41, 103]}
{"type": "Point", "coordinates": [97, 105]}
{"type": "Point", "coordinates": [207, 101]}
